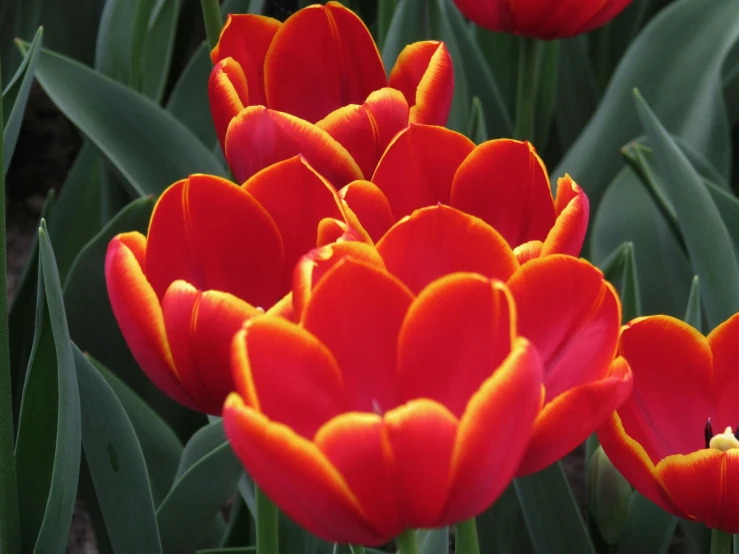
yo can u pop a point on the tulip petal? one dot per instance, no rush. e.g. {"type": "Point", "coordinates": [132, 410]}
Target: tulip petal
{"type": "Point", "coordinates": [568, 311]}
{"type": "Point", "coordinates": [573, 211]}
{"type": "Point", "coordinates": [356, 310]}
{"type": "Point", "coordinates": [528, 251]}
{"type": "Point", "coordinates": [259, 137]}
{"type": "Point", "coordinates": [504, 183]}
{"type": "Point", "coordinates": [494, 432]}
{"type": "Point", "coordinates": [200, 328]}
{"type": "Point", "coordinates": [321, 59]}
{"type": "Point", "coordinates": [371, 207]}
{"type": "Point", "coordinates": [495, 16]}
{"type": "Point", "coordinates": [270, 352]}
{"type": "Point", "coordinates": [440, 240]}
{"type": "Point", "coordinates": [246, 38]}
{"type": "Point", "coordinates": [424, 73]}
{"type": "Point", "coordinates": [228, 93]}
{"type": "Point", "coordinates": [724, 343]}
{"type": "Point", "coordinates": [456, 334]}
{"type": "Point", "coordinates": [139, 315]}
{"type": "Point", "coordinates": [295, 475]}
{"type": "Point", "coordinates": [366, 130]}
{"type": "Point", "coordinates": [566, 421]}
{"type": "Point", "coordinates": [418, 167]}
{"type": "Point", "coordinates": [207, 231]}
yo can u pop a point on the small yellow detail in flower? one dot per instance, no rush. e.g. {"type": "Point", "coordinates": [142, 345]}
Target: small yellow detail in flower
{"type": "Point", "coordinates": [724, 441]}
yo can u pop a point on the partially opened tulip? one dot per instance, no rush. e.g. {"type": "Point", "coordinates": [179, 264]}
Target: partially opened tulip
{"type": "Point", "coordinates": [675, 438]}
{"type": "Point", "coordinates": [215, 255]}
{"type": "Point", "coordinates": [321, 66]}
{"type": "Point", "coordinates": [563, 306]}
{"type": "Point", "coordinates": [384, 410]}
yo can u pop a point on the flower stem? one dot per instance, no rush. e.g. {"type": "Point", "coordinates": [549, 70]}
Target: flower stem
{"type": "Point", "coordinates": [526, 91]}
{"type": "Point", "coordinates": [267, 537]}
{"type": "Point", "coordinates": [466, 538]}
{"type": "Point", "coordinates": [407, 542]}
{"type": "Point", "coordinates": [720, 542]}
{"type": "Point", "coordinates": [213, 21]}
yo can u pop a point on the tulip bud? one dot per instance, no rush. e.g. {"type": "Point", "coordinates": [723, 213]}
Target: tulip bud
{"type": "Point", "coordinates": [609, 497]}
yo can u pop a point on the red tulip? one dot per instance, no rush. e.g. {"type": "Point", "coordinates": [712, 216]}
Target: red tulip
{"type": "Point", "coordinates": [545, 19]}
{"type": "Point", "coordinates": [502, 181]}
{"type": "Point", "coordinates": [321, 67]}
{"type": "Point", "coordinates": [215, 255]}
{"type": "Point", "coordinates": [563, 306]}
{"type": "Point", "coordinates": [674, 439]}
{"type": "Point", "coordinates": [384, 410]}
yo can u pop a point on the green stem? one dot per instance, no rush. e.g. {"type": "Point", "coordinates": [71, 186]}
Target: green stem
{"type": "Point", "coordinates": [466, 538]}
{"type": "Point", "coordinates": [407, 542]}
{"type": "Point", "coordinates": [10, 537]}
{"type": "Point", "coordinates": [267, 542]}
{"type": "Point", "coordinates": [720, 542]}
{"type": "Point", "coordinates": [358, 549]}
{"type": "Point", "coordinates": [526, 92]}
{"type": "Point", "coordinates": [213, 21]}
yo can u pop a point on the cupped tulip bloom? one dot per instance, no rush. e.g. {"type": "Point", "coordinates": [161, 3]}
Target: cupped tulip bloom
{"type": "Point", "coordinates": [503, 182]}
{"type": "Point", "coordinates": [675, 439]}
{"type": "Point", "coordinates": [215, 255]}
{"type": "Point", "coordinates": [563, 306]}
{"type": "Point", "coordinates": [384, 410]}
{"type": "Point", "coordinates": [544, 19]}
{"type": "Point", "coordinates": [322, 66]}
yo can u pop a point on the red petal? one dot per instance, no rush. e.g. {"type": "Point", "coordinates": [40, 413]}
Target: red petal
{"type": "Point", "coordinates": [440, 240]}
{"type": "Point", "coordinates": [136, 308]}
{"type": "Point", "coordinates": [495, 16]}
{"type": "Point", "coordinates": [200, 328]}
{"type": "Point", "coordinates": [424, 73]}
{"type": "Point", "coordinates": [493, 434]}
{"type": "Point", "coordinates": [247, 38]}
{"type": "Point", "coordinates": [296, 476]}
{"type": "Point", "coordinates": [455, 335]}
{"type": "Point", "coordinates": [724, 343]}
{"type": "Point", "coordinates": [505, 183]}
{"type": "Point", "coordinates": [228, 93]}
{"type": "Point", "coordinates": [418, 167]}
{"type": "Point", "coordinates": [573, 211]}
{"type": "Point", "coordinates": [258, 138]}
{"type": "Point", "coordinates": [356, 310]}
{"type": "Point", "coordinates": [528, 251]}
{"type": "Point", "coordinates": [572, 316]}
{"type": "Point", "coordinates": [332, 230]}
{"type": "Point", "coordinates": [371, 207]}
{"type": "Point", "coordinates": [366, 130]}
{"type": "Point", "coordinates": [566, 421]}
{"type": "Point", "coordinates": [207, 231]}
{"type": "Point", "coordinates": [322, 58]}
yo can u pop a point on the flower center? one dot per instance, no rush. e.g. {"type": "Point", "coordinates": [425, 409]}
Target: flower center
{"type": "Point", "coordinates": [723, 441]}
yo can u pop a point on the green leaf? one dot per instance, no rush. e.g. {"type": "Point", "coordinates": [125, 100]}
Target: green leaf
{"type": "Point", "coordinates": [500, 51]}
{"type": "Point", "coordinates": [648, 529]}
{"type": "Point", "coordinates": [477, 129]}
{"type": "Point", "coordinates": [159, 47]}
{"type": "Point", "coordinates": [620, 269]}
{"type": "Point", "coordinates": [116, 464]}
{"type": "Point", "coordinates": [502, 527]}
{"type": "Point", "coordinates": [728, 207]}
{"type": "Point", "coordinates": [71, 27]}
{"type": "Point", "coordinates": [547, 70]}
{"type": "Point", "coordinates": [148, 146]}
{"type": "Point", "coordinates": [699, 536]}
{"type": "Point", "coordinates": [385, 12]}
{"type": "Point", "coordinates": [433, 541]}
{"type": "Point", "coordinates": [693, 314]}
{"type": "Point", "coordinates": [706, 238]}
{"type": "Point", "coordinates": [238, 550]}
{"type": "Point", "coordinates": [551, 513]}
{"type": "Point", "coordinates": [242, 6]}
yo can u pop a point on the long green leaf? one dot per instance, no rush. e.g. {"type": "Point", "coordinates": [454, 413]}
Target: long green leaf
{"type": "Point", "coordinates": [502, 527]}
{"type": "Point", "coordinates": [648, 529]}
{"type": "Point", "coordinates": [620, 269]}
{"type": "Point", "coordinates": [693, 314]}
{"type": "Point", "coordinates": [434, 541]}
{"type": "Point", "coordinates": [159, 47]}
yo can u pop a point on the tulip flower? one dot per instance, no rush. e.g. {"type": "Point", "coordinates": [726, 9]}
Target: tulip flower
{"type": "Point", "coordinates": [384, 410]}
{"type": "Point", "coordinates": [503, 182]}
{"type": "Point", "coordinates": [548, 19]}
{"type": "Point", "coordinates": [563, 306]}
{"type": "Point", "coordinates": [215, 255]}
{"type": "Point", "coordinates": [675, 439]}
{"type": "Point", "coordinates": [322, 70]}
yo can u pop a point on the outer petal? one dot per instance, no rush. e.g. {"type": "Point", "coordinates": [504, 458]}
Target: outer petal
{"type": "Point", "coordinates": [571, 417]}
{"type": "Point", "coordinates": [724, 343]}
{"type": "Point", "coordinates": [136, 308]}
{"type": "Point", "coordinates": [571, 314]}
{"type": "Point", "coordinates": [573, 211]}
{"type": "Point", "coordinates": [356, 310]}
{"type": "Point", "coordinates": [495, 16]}
{"type": "Point", "coordinates": [455, 335]}
{"type": "Point", "coordinates": [424, 73]}
{"type": "Point", "coordinates": [200, 328]}
{"type": "Point", "coordinates": [371, 207]}
{"type": "Point", "coordinates": [493, 434]}
{"type": "Point", "coordinates": [417, 168]}
{"type": "Point", "coordinates": [528, 251]}
{"type": "Point", "coordinates": [440, 240]}
{"type": "Point", "coordinates": [246, 38]}
{"type": "Point", "coordinates": [321, 59]}
{"type": "Point", "coordinates": [505, 183]}
{"type": "Point", "coordinates": [228, 93]}
{"type": "Point", "coordinates": [258, 138]}
{"type": "Point", "coordinates": [207, 231]}
{"type": "Point", "coordinates": [296, 476]}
